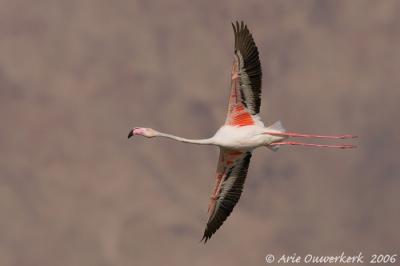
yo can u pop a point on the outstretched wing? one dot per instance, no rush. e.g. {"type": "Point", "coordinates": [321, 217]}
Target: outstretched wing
{"type": "Point", "coordinates": [245, 96]}
{"type": "Point", "coordinates": [231, 174]}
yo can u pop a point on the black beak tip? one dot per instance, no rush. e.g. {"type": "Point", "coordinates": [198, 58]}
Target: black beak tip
{"type": "Point", "coordinates": [130, 134]}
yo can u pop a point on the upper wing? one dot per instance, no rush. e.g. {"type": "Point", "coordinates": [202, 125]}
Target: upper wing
{"type": "Point", "coordinates": [245, 96]}
{"type": "Point", "coordinates": [231, 174]}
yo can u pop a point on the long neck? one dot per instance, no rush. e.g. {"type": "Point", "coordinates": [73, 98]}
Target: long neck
{"type": "Point", "coordinates": [193, 141]}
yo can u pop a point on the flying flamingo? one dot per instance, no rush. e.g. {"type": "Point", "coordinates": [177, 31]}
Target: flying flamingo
{"type": "Point", "coordinates": [242, 132]}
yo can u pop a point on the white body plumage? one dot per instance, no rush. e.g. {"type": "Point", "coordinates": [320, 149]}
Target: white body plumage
{"type": "Point", "coordinates": [246, 137]}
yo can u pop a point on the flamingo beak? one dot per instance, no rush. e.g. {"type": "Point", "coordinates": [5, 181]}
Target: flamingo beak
{"type": "Point", "coordinates": [130, 134]}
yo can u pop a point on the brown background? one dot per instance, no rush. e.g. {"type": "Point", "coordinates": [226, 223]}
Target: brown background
{"type": "Point", "coordinates": [75, 76]}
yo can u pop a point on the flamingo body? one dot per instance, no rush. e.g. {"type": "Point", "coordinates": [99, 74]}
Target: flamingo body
{"type": "Point", "coordinates": [244, 138]}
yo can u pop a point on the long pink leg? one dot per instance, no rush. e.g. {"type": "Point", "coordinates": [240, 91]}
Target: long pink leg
{"type": "Point", "coordinates": [345, 146]}
{"type": "Point", "coordinates": [292, 134]}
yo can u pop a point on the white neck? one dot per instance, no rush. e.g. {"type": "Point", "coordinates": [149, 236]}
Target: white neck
{"type": "Point", "coordinates": [193, 141]}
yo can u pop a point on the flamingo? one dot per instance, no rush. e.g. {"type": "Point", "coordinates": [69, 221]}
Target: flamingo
{"type": "Point", "coordinates": [242, 132]}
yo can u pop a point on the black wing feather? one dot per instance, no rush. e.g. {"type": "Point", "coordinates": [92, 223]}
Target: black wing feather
{"type": "Point", "coordinates": [231, 190]}
{"type": "Point", "coordinates": [250, 67]}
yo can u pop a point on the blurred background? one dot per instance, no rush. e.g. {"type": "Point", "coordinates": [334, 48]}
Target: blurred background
{"type": "Point", "coordinates": [76, 76]}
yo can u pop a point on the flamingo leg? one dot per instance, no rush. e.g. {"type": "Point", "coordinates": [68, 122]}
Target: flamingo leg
{"type": "Point", "coordinates": [344, 146]}
{"type": "Point", "coordinates": [292, 134]}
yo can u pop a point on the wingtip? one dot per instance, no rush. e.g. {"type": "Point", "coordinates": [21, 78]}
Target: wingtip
{"type": "Point", "coordinates": [205, 238]}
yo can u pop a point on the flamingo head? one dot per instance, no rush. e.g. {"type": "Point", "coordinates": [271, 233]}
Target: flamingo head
{"type": "Point", "coordinates": [142, 131]}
